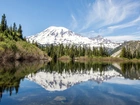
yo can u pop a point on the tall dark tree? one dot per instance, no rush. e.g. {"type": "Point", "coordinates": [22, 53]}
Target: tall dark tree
{"type": "Point", "coordinates": [14, 32]}
{"type": "Point", "coordinates": [20, 32]}
{"type": "Point", "coordinates": [123, 52]}
{"type": "Point", "coordinates": [11, 32]}
{"type": "Point", "coordinates": [3, 25]}
{"type": "Point", "coordinates": [129, 55]}
{"type": "Point", "coordinates": [14, 27]}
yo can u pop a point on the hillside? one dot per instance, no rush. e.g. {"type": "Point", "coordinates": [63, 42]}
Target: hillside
{"type": "Point", "coordinates": [132, 46]}
{"type": "Point", "coordinates": [20, 50]}
{"type": "Point", "coordinates": [14, 47]}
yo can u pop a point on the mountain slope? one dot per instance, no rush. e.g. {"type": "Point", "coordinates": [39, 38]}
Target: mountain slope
{"type": "Point", "coordinates": [61, 35]}
{"type": "Point", "coordinates": [132, 45]}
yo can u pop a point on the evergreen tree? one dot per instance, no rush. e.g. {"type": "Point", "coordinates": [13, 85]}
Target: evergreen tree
{"type": "Point", "coordinates": [20, 31]}
{"type": "Point", "coordinates": [10, 32]}
{"type": "Point", "coordinates": [128, 53]}
{"type": "Point", "coordinates": [14, 32]}
{"type": "Point", "coordinates": [3, 25]}
{"type": "Point", "coordinates": [14, 27]}
{"type": "Point", "coordinates": [138, 54]}
{"type": "Point", "coordinates": [134, 54]}
{"type": "Point", "coordinates": [123, 52]}
{"type": "Point", "coordinates": [101, 51]}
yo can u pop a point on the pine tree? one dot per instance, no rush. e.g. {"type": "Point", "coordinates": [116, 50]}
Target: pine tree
{"type": "Point", "coordinates": [14, 31]}
{"type": "Point", "coordinates": [10, 32]}
{"type": "Point", "coordinates": [101, 51]}
{"type": "Point", "coordinates": [20, 31]}
{"type": "Point", "coordinates": [134, 54]}
{"type": "Point", "coordinates": [138, 54]}
{"type": "Point", "coordinates": [14, 27]}
{"type": "Point", "coordinates": [129, 55]}
{"type": "Point", "coordinates": [123, 52]}
{"type": "Point", "coordinates": [3, 25]}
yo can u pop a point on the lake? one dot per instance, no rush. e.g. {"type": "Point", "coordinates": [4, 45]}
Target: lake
{"type": "Point", "coordinates": [73, 83]}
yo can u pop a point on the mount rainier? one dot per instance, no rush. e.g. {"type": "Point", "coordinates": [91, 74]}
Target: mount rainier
{"type": "Point", "coordinates": [61, 35]}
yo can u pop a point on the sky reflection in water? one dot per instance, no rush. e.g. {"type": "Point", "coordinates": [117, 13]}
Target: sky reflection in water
{"type": "Point", "coordinates": [116, 90]}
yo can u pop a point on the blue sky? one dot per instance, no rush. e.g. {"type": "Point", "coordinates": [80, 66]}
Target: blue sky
{"type": "Point", "coordinates": [114, 19]}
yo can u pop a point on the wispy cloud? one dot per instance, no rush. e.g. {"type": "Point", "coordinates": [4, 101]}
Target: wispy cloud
{"type": "Point", "coordinates": [117, 38]}
{"type": "Point", "coordinates": [108, 17]}
{"type": "Point", "coordinates": [74, 22]}
{"type": "Point", "coordinates": [107, 12]}
{"type": "Point", "coordinates": [123, 37]}
{"type": "Point", "coordinates": [111, 29]}
{"type": "Point", "coordinates": [90, 34]}
{"type": "Point", "coordinates": [129, 24]}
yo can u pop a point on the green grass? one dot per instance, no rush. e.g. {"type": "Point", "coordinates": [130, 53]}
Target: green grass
{"type": "Point", "coordinates": [105, 59]}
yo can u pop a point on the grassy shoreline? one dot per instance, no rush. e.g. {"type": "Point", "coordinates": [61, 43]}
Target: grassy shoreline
{"type": "Point", "coordinates": [98, 59]}
{"type": "Point", "coordinates": [20, 51]}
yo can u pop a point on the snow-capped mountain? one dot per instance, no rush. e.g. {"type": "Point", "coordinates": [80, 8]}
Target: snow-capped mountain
{"type": "Point", "coordinates": [101, 40]}
{"type": "Point", "coordinates": [61, 35]}
{"type": "Point", "coordinates": [55, 81]}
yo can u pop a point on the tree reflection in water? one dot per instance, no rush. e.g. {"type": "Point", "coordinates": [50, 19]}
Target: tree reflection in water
{"type": "Point", "coordinates": [12, 73]}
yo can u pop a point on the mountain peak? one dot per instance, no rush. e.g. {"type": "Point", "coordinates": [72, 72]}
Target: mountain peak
{"type": "Point", "coordinates": [57, 28]}
{"type": "Point", "coordinates": [62, 35]}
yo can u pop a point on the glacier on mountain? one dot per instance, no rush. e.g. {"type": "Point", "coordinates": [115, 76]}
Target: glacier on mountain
{"type": "Point", "coordinates": [61, 35]}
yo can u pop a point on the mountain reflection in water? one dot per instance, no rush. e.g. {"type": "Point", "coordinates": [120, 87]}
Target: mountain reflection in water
{"type": "Point", "coordinates": [55, 81]}
{"type": "Point", "coordinates": [58, 76]}
{"type": "Point", "coordinates": [61, 79]}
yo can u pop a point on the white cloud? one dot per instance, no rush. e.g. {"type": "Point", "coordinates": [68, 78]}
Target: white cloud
{"type": "Point", "coordinates": [123, 37]}
{"type": "Point", "coordinates": [111, 29]}
{"type": "Point", "coordinates": [108, 18]}
{"type": "Point", "coordinates": [74, 23]}
{"type": "Point", "coordinates": [89, 34]}
{"type": "Point", "coordinates": [129, 24]}
{"type": "Point", "coordinates": [107, 12]}
{"type": "Point", "coordinates": [118, 38]}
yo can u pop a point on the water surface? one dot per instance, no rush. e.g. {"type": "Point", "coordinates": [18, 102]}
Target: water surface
{"type": "Point", "coordinates": [70, 84]}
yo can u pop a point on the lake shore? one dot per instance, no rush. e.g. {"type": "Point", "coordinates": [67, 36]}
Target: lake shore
{"type": "Point", "coordinates": [98, 59]}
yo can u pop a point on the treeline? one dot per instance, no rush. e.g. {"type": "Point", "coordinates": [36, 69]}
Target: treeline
{"type": "Point", "coordinates": [73, 67]}
{"type": "Point", "coordinates": [56, 51]}
{"type": "Point", "coordinates": [127, 53]}
{"type": "Point", "coordinates": [12, 32]}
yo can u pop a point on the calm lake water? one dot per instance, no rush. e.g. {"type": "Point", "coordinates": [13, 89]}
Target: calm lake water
{"type": "Point", "coordinates": [58, 83]}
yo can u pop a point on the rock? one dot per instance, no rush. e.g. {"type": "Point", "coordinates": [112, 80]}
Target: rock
{"type": "Point", "coordinates": [60, 98]}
